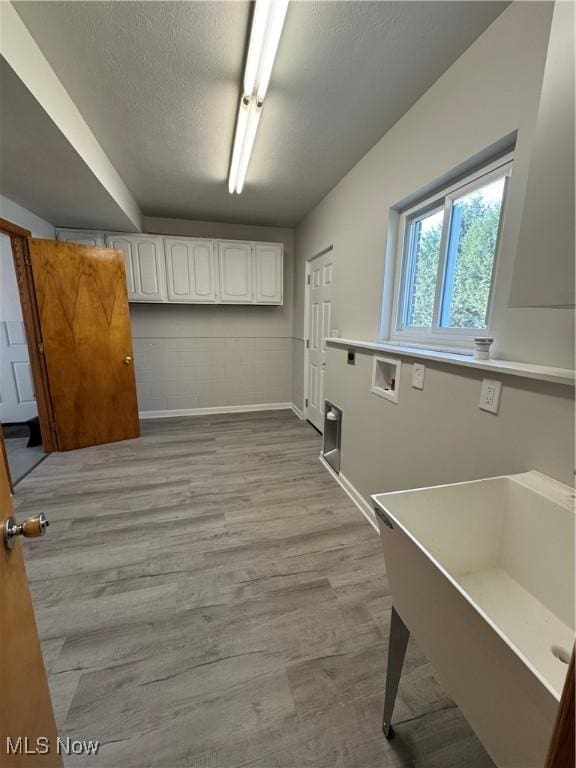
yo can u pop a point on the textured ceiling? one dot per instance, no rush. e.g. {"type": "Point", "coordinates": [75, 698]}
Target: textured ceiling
{"type": "Point", "coordinates": [158, 83]}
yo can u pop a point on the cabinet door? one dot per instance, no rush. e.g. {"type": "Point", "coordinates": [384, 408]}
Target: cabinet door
{"type": "Point", "coordinates": [145, 266]}
{"type": "Point", "coordinates": [235, 263]}
{"type": "Point", "coordinates": [268, 273]}
{"type": "Point", "coordinates": [81, 237]}
{"type": "Point", "coordinates": [190, 270]}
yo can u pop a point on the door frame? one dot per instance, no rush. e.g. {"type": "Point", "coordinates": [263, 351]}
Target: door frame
{"type": "Point", "coordinates": [4, 460]}
{"type": "Point", "coordinates": [561, 748]}
{"type": "Point", "coordinates": [307, 273]}
{"type": "Point", "coordinates": [21, 255]}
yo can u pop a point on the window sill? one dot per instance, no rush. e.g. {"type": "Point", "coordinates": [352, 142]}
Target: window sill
{"type": "Point", "coordinates": [523, 370]}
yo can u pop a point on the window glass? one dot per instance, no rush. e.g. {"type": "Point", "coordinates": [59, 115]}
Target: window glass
{"type": "Point", "coordinates": [472, 239]}
{"type": "Point", "coordinates": [423, 254]}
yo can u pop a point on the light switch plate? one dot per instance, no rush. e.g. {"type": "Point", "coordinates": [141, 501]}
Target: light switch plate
{"type": "Point", "coordinates": [418, 371]}
{"type": "Point", "coordinates": [490, 395]}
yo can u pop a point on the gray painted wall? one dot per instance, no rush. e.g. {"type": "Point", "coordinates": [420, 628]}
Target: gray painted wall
{"type": "Point", "coordinates": [24, 218]}
{"type": "Point", "coordinates": [544, 276]}
{"type": "Point", "coordinates": [298, 372]}
{"type": "Point", "coordinates": [439, 435]}
{"type": "Point", "coordinates": [492, 90]}
{"type": "Point", "coordinates": [193, 356]}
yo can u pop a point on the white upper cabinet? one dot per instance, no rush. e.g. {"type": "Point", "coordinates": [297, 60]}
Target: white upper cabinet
{"type": "Point", "coordinates": [268, 273]}
{"type": "Point", "coordinates": [82, 237]}
{"type": "Point", "coordinates": [250, 273]}
{"type": "Point", "coordinates": [235, 265]}
{"type": "Point", "coordinates": [145, 265]}
{"type": "Point", "coordinates": [191, 270]}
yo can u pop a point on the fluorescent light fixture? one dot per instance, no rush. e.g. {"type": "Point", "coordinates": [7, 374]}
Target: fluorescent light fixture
{"type": "Point", "coordinates": [259, 24]}
{"type": "Point", "coordinates": [246, 126]}
{"type": "Point", "coordinates": [241, 122]}
{"type": "Point", "coordinates": [254, 113]}
{"type": "Point", "coordinates": [275, 22]}
{"type": "Point", "coordinates": [267, 23]}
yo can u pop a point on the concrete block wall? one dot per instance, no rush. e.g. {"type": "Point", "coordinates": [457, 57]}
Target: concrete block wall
{"type": "Point", "coordinates": [186, 373]}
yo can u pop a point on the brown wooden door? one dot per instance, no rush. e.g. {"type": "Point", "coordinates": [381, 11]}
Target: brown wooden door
{"type": "Point", "coordinates": [85, 326]}
{"type": "Point", "coordinates": [25, 706]}
{"type": "Point", "coordinates": [561, 753]}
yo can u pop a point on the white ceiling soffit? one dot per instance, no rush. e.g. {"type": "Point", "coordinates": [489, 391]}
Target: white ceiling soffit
{"type": "Point", "coordinates": [19, 50]}
{"type": "Point", "coordinates": [40, 170]}
{"type": "Point", "coordinates": [159, 83]}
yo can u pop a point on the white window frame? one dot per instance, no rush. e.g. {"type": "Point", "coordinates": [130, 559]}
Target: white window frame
{"type": "Point", "coordinates": [437, 336]}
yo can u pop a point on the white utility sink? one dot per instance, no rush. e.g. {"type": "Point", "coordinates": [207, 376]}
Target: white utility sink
{"type": "Point", "coordinates": [482, 573]}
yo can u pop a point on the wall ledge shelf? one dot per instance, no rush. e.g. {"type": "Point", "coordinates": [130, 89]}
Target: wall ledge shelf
{"type": "Point", "coordinates": [563, 376]}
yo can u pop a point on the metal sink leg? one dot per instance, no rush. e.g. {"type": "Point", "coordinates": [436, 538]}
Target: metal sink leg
{"type": "Point", "coordinates": [398, 640]}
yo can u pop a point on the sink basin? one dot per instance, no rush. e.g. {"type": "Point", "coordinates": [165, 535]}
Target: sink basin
{"type": "Point", "coordinates": [482, 573]}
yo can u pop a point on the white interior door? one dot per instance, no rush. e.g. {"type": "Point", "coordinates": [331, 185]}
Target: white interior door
{"type": "Point", "coordinates": [319, 319]}
{"type": "Point", "coordinates": [17, 401]}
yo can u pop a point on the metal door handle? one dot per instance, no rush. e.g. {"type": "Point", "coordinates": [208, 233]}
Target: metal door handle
{"type": "Point", "coordinates": [127, 359]}
{"type": "Point", "coordinates": [30, 528]}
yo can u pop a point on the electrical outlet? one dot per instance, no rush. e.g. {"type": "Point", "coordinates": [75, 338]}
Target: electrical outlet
{"type": "Point", "coordinates": [418, 370]}
{"type": "Point", "coordinates": [490, 395]}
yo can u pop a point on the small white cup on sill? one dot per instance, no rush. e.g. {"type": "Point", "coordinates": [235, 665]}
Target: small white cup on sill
{"type": "Point", "coordinates": [482, 346]}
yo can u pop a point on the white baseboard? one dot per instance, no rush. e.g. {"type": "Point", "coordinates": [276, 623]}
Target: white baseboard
{"type": "Point", "coordinates": [297, 411]}
{"type": "Point", "coordinates": [354, 494]}
{"type": "Point", "coordinates": [172, 414]}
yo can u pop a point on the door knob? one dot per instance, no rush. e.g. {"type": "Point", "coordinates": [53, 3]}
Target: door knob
{"type": "Point", "coordinates": [127, 359]}
{"type": "Point", "coordinates": [30, 528]}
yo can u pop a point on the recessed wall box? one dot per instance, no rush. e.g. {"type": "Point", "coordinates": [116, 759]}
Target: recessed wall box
{"type": "Point", "coordinates": [386, 377]}
{"type": "Point", "coordinates": [332, 435]}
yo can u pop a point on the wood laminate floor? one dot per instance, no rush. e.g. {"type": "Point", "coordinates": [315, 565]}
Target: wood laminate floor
{"type": "Point", "coordinates": [208, 597]}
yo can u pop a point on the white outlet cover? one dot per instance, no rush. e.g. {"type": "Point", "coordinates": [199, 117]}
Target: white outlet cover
{"type": "Point", "coordinates": [490, 395]}
{"type": "Point", "coordinates": [418, 371]}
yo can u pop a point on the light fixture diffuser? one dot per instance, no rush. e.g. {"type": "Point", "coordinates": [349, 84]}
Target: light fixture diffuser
{"type": "Point", "coordinates": [275, 24]}
{"type": "Point", "coordinates": [254, 112]}
{"type": "Point", "coordinates": [246, 127]}
{"type": "Point", "coordinates": [267, 24]}
{"type": "Point", "coordinates": [259, 24]}
{"type": "Point", "coordinates": [241, 122]}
